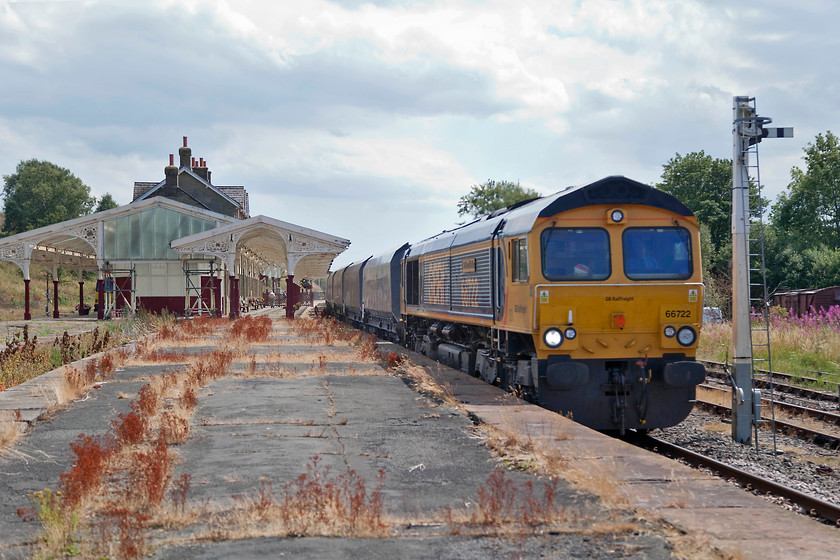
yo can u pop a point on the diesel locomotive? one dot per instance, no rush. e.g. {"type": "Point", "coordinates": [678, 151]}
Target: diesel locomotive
{"type": "Point", "coordinates": [588, 302]}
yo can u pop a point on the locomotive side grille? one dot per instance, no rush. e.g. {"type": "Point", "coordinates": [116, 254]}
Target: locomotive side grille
{"type": "Point", "coordinates": [471, 280]}
{"type": "Point", "coordinates": [436, 282]}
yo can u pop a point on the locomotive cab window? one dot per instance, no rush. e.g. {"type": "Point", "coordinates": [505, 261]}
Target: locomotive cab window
{"type": "Point", "coordinates": [519, 259]}
{"type": "Point", "coordinates": [575, 254]}
{"type": "Point", "coordinates": [657, 253]}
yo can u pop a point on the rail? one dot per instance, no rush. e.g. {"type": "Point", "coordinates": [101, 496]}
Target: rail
{"type": "Point", "coordinates": [814, 506]}
{"type": "Point", "coordinates": [823, 439]}
{"type": "Point", "coordinates": [716, 369]}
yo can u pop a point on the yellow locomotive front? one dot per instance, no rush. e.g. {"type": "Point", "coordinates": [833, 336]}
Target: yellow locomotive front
{"type": "Point", "coordinates": [612, 294]}
{"type": "Point", "coordinates": [588, 301]}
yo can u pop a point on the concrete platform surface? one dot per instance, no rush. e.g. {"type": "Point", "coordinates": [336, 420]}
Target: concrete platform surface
{"type": "Point", "coordinates": [250, 431]}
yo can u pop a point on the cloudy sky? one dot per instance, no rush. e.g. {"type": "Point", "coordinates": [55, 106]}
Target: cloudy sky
{"type": "Point", "coordinates": [369, 119]}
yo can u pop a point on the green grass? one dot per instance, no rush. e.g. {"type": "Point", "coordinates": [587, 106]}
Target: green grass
{"type": "Point", "coordinates": [25, 358]}
{"type": "Point", "coordinates": [12, 291]}
{"type": "Point", "coordinates": [798, 350]}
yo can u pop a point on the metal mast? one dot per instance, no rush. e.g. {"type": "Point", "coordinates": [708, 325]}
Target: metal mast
{"type": "Point", "coordinates": [748, 130]}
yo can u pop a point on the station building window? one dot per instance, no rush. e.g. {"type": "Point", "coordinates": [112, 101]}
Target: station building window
{"type": "Point", "coordinates": [146, 235]}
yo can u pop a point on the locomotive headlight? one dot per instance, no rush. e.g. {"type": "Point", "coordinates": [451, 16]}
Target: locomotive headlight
{"type": "Point", "coordinates": [669, 331]}
{"type": "Point", "coordinates": [686, 336]}
{"type": "Point", "coordinates": [570, 333]}
{"type": "Point", "coordinates": [553, 338]}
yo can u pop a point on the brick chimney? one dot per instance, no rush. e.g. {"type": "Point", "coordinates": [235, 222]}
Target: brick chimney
{"type": "Point", "coordinates": [171, 174]}
{"type": "Point", "coordinates": [185, 154]}
{"type": "Point", "coordinates": [201, 170]}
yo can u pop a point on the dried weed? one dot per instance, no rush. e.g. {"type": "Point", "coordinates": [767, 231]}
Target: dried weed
{"type": "Point", "coordinates": [11, 428]}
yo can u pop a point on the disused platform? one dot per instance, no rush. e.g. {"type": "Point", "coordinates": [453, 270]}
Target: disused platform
{"type": "Point", "coordinates": [726, 517]}
{"type": "Point", "coordinates": [252, 430]}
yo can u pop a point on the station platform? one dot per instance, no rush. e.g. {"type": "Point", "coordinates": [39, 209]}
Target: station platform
{"type": "Point", "coordinates": [290, 400]}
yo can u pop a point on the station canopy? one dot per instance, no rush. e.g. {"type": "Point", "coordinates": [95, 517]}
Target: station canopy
{"type": "Point", "coordinates": [302, 252]}
{"type": "Point", "coordinates": [90, 242]}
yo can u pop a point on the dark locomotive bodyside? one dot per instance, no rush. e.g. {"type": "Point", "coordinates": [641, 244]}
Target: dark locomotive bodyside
{"type": "Point", "coordinates": [603, 341]}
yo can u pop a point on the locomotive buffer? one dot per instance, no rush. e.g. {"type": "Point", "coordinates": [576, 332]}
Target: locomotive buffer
{"type": "Point", "coordinates": [748, 130]}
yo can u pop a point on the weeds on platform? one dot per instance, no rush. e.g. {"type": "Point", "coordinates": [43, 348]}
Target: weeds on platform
{"type": "Point", "coordinates": [76, 381]}
{"type": "Point", "coordinates": [22, 359]}
{"type": "Point", "coordinates": [25, 358]}
{"type": "Point", "coordinates": [88, 471]}
{"type": "Point", "coordinates": [421, 381]}
{"type": "Point", "coordinates": [503, 507]}
{"type": "Point", "coordinates": [10, 431]}
{"type": "Point", "coordinates": [325, 331]}
{"type": "Point", "coordinates": [252, 329]}
{"type": "Point", "coordinates": [59, 522]}
{"type": "Point", "coordinates": [118, 481]}
{"type": "Point", "coordinates": [319, 502]}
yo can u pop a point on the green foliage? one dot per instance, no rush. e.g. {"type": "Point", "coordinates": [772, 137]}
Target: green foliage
{"type": "Point", "coordinates": [716, 276]}
{"type": "Point", "coordinates": [808, 213]}
{"type": "Point", "coordinates": [704, 184]}
{"type": "Point", "coordinates": [40, 193]}
{"type": "Point", "coordinates": [483, 199]}
{"type": "Point", "coordinates": [59, 522]}
{"type": "Point", "coordinates": [792, 268]}
{"type": "Point", "coordinates": [106, 202]}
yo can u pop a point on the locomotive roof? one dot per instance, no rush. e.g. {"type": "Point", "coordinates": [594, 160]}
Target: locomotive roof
{"type": "Point", "coordinates": [615, 190]}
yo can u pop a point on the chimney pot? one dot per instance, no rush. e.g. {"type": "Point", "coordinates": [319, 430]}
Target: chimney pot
{"type": "Point", "coordinates": [171, 159]}
{"type": "Point", "coordinates": [185, 154]}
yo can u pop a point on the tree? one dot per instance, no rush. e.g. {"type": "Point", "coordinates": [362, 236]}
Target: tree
{"type": "Point", "coordinates": [808, 213]}
{"type": "Point", "coordinates": [483, 199]}
{"type": "Point", "coordinates": [106, 202]}
{"type": "Point", "coordinates": [40, 193]}
{"type": "Point", "coordinates": [704, 184]}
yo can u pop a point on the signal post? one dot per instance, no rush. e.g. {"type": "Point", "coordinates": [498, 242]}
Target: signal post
{"type": "Point", "coordinates": [748, 130]}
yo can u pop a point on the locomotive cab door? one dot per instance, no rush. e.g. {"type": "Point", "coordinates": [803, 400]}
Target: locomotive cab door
{"type": "Point", "coordinates": [497, 273]}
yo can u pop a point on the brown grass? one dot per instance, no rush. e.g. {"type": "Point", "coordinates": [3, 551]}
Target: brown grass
{"type": "Point", "coordinates": [422, 382]}
{"type": "Point", "coordinates": [10, 428]}
{"type": "Point", "coordinates": [318, 502]}
{"type": "Point", "coordinates": [252, 329]}
{"type": "Point", "coordinates": [118, 481]}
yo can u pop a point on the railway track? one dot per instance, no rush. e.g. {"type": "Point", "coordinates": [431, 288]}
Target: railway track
{"type": "Point", "coordinates": [818, 437]}
{"type": "Point", "coordinates": [783, 382]}
{"type": "Point", "coordinates": [814, 506]}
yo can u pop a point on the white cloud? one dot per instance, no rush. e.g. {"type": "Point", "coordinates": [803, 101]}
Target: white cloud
{"type": "Point", "coordinates": [345, 108]}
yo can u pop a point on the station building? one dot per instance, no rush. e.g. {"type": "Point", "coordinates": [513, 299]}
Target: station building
{"type": "Point", "coordinates": [182, 244]}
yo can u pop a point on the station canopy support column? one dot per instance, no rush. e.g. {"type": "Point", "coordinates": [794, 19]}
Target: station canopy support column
{"type": "Point", "coordinates": [300, 251]}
